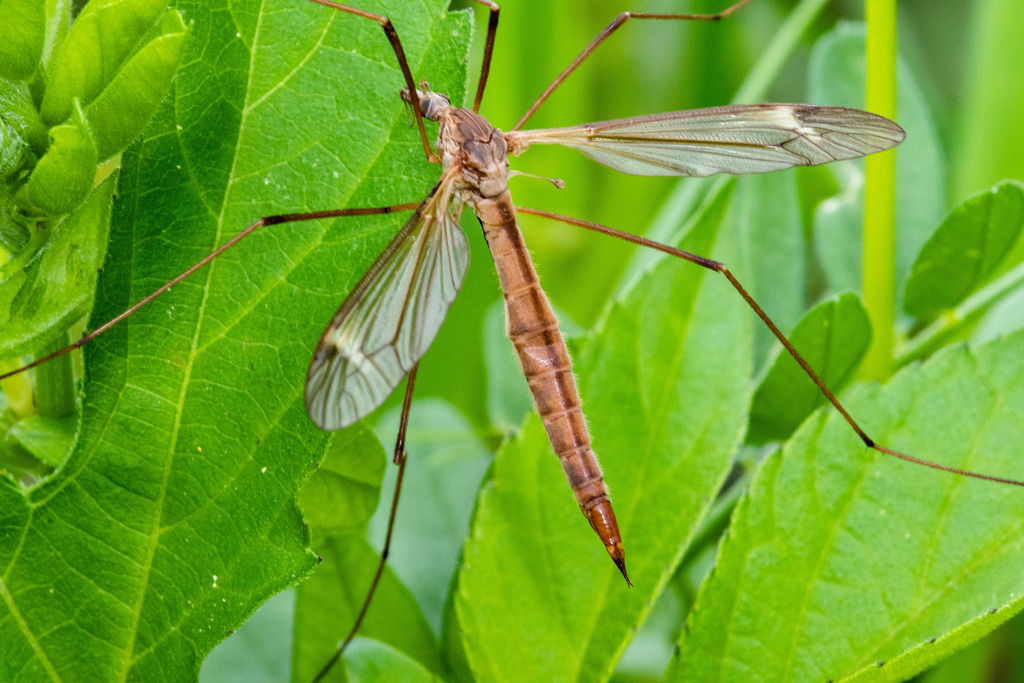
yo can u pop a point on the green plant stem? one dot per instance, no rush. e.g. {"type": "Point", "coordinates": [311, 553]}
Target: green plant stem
{"type": "Point", "coordinates": [879, 263]}
{"type": "Point", "coordinates": [55, 382]}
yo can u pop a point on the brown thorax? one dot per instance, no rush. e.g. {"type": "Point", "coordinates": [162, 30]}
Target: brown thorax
{"type": "Point", "coordinates": [466, 140]}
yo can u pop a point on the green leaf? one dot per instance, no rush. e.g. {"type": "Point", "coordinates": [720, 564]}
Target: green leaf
{"type": "Point", "coordinates": [447, 467]}
{"type": "Point", "coordinates": [841, 558]}
{"type": "Point", "coordinates": [19, 111]}
{"type": "Point", "coordinates": [329, 601]}
{"type": "Point", "coordinates": [63, 177]}
{"type": "Point", "coordinates": [338, 502]}
{"type": "Point", "coordinates": [371, 661]}
{"type": "Point", "coordinates": [100, 41]}
{"type": "Point", "coordinates": [666, 416]}
{"type": "Point", "coordinates": [176, 515]}
{"type": "Point", "coordinates": [12, 149]}
{"type": "Point", "coordinates": [970, 248]}
{"type": "Point", "coordinates": [343, 493]}
{"type": "Point", "coordinates": [119, 113]}
{"type": "Point", "coordinates": [50, 283]}
{"type": "Point", "coordinates": [833, 338]}
{"type": "Point", "coordinates": [24, 23]}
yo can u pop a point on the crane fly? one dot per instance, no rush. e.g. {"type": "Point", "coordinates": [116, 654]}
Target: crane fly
{"type": "Point", "coordinates": [390, 318]}
{"type": "Point", "coordinates": [393, 314]}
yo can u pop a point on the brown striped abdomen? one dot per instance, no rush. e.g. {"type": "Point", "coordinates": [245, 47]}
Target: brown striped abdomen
{"type": "Point", "coordinates": [531, 325]}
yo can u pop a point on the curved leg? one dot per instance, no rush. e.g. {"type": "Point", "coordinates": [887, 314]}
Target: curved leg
{"type": "Point", "coordinates": [268, 220]}
{"type": "Point", "coordinates": [719, 267]}
{"type": "Point", "coordinates": [610, 29]}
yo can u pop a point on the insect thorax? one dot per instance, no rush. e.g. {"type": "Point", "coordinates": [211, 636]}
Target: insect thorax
{"type": "Point", "coordinates": [469, 141]}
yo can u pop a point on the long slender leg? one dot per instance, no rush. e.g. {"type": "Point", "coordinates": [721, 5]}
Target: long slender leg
{"type": "Point", "coordinates": [485, 65]}
{"type": "Point", "coordinates": [719, 267]}
{"type": "Point", "coordinates": [400, 460]}
{"type": "Point", "coordinates": [268, 220]}
{"type": "Point", "coordinates": [610, 29]}
{"type": "Point", "coordinates": [403, 63]}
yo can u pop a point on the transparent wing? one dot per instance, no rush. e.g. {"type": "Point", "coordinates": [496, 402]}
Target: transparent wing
{"type": "Point", "coordinates": [736, 139]}
{"type": "Point", "coordinates": [388, 321]}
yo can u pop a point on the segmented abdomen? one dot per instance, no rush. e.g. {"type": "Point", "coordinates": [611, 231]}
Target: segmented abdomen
{"type": "Point", "coordinates": [533, 329]}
